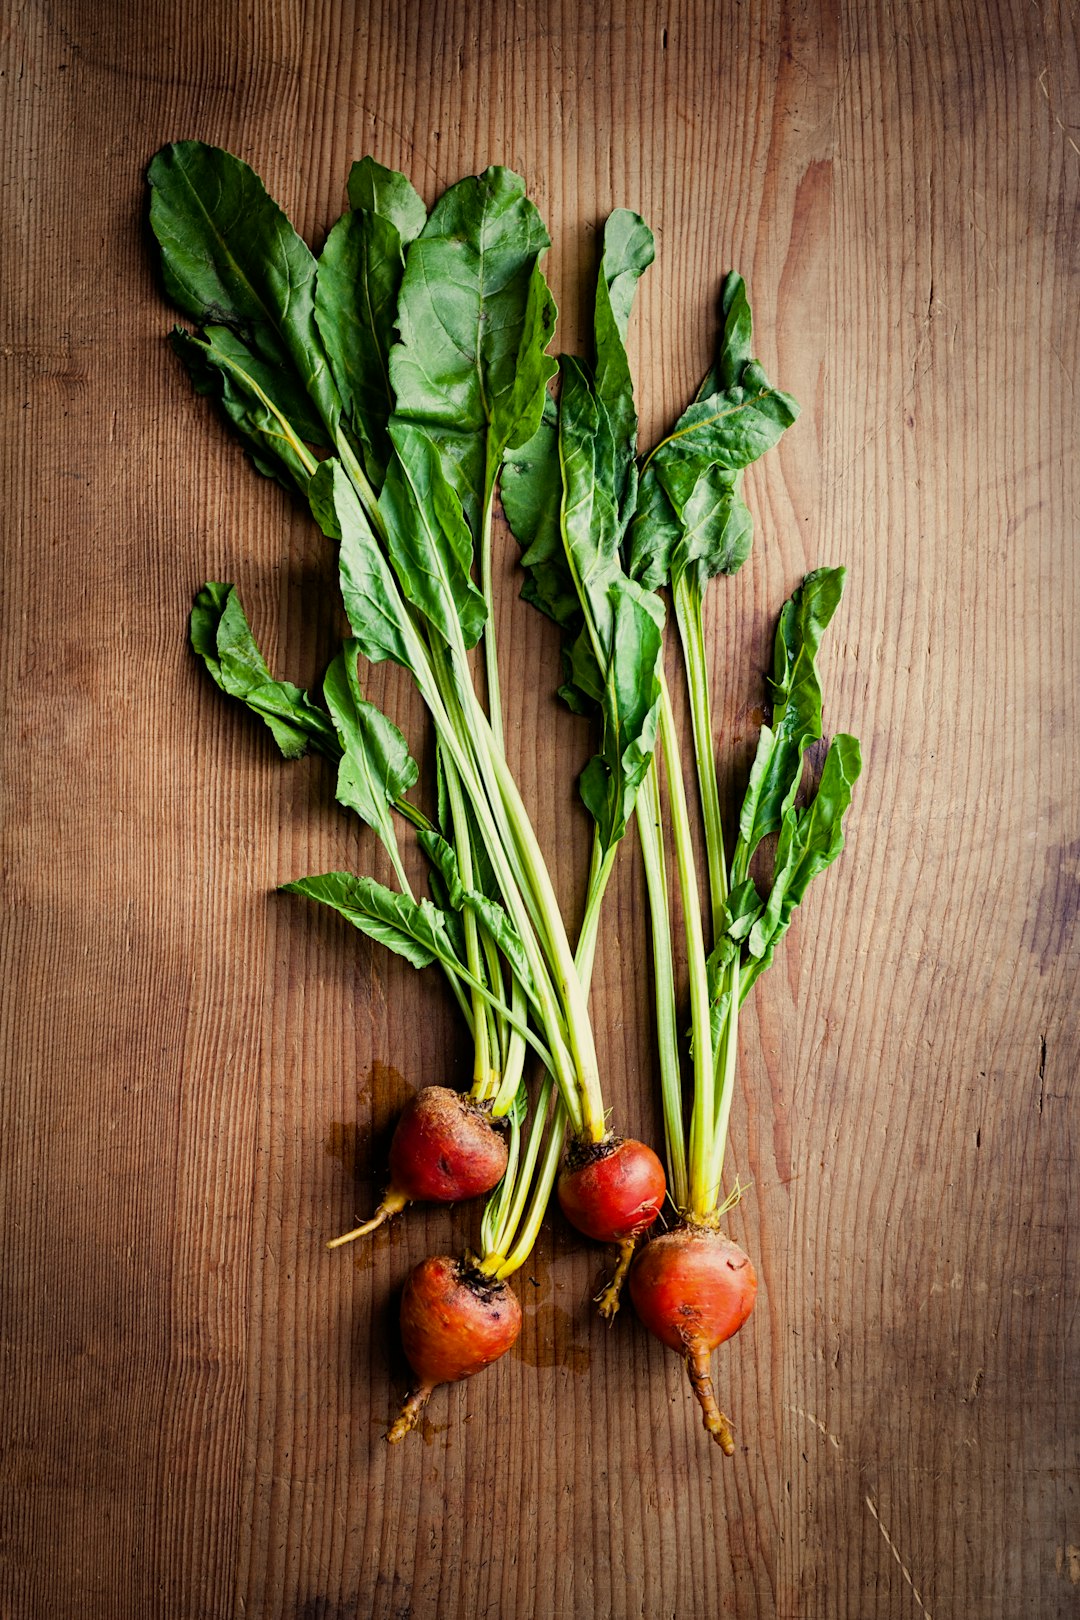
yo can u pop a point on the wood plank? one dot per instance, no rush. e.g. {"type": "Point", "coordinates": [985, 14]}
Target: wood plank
{"type": "Point", "coordinates": [201, 1074]}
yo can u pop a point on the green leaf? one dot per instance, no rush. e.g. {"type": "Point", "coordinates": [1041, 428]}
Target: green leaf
{"type": "Point", "coordinates": [356, 294]}
{"type": "Point", "coordinates": [628, 252]}
{"type": "Point", "coordinates": [796, 718]}
{"type": "Point", "coordinates": [505, 935]}
{"type": "Point", "coordinates": [413, 929]}
{"type": "Point", "coordinates": [373, 602]}
{"type": "Point", "coordinates": [221, 636]}
{"type": "Point", "coordinates": [690, 512]}
{"type": "Point", "coordinates": [489, 912]}
{"type": "Point", "coordinates": [532, 500]}
{"type": "Point", "coordinates": [360, 270]}
{"type": "Point", "coordinates": [615, 659]}
{"type": "Point", "coordinates": [377, 190]}
{"type": "Point", "coordinates": [220, 366]}
{"type": "Point", "coordinates": [376, 767]}
{"type": "Point", "coordinates": [443, 858]}
{"type": "Point", "coordinates": [231, 259]}
{"type": "Point", "coordinates": [428, 539]}
{"type": "Point", "coordinates": [810, 840]}
{"type": "Point", "coordinates": [475, 317]}
{"type": "Point", "coordinates": [733, 350]}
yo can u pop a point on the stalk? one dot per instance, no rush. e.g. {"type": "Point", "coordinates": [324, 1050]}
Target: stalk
{"type": "Point", "coordinates": [518, 1227]}
{"type": "Point", "coordinates": [729, 1047]}
{"type": "Point", "coordinates": [701, 1119]}
{"type": "Point", "coordinates": [485, 1080]}
{"type": "Point", "coordinates": [688, 613]}
{"type": "Point", "coordinates": [491, 659]}
{"type": "Point", "coordinates": [652, 850]}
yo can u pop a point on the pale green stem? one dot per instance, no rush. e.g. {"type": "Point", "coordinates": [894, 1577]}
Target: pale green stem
{"type": "Point", "coordinates": [491, 658]}
{"type": "Point", "coordinates": [730, 1052]}
{"type": "Point", "coordinates": [700, 1023]}
{"type": "Point", "coordinates": [650, 837]}
{"type": "Point", "coordinates": [514, 1063]}
{"type": "Point", "coordinates": [688, 613]}
{"type": "Point", "coordinates": [498, 1263]}
{"type": "Point", "coordinates": [485, 1083]}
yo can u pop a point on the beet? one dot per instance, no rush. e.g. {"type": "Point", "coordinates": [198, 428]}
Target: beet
{"type": "Point", "coordinates": [444, 1148]}
{"type": "Point", "coordinates": [454, 1322]}
{"type": "Point", "coordinates": [694, 1288]}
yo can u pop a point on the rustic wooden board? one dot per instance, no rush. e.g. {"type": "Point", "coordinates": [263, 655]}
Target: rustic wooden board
{"type": "Point", "coordinates": [201, 1074]}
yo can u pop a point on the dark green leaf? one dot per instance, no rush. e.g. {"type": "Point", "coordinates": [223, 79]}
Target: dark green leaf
{"type": "Point", "coordinates": [475, 317]}
{"type": "Point", "coordinates": [810, 840]}
{"type": "Point", "coordinates": [377, 614]}
{"type": "Point", "coordinates": [690, 513]}
{"type": "Point", "coordinates": [428, 539]}
{"type": "Point", "coordinates": [231, 259]}
{"type": "Point", "coordinates": [628, 252]}
{"type": "Point", "coordinates": [360, 270]}
{"type": "Point", "coordinates": [414, 929]}
{"type": "Point", "coordinates": [377, 190]}
{"type": "Point", "coordinates": [376, 767]}
{"type": "Point", "coordinates": [796, 719]}
{"type": "Point", "coordinates": [443, 858]}
{"type": "Point", "coordinates": [221, 636]}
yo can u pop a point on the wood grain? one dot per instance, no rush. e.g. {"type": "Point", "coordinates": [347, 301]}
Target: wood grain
{"type": "Point", "coordinates": [201, 1074]}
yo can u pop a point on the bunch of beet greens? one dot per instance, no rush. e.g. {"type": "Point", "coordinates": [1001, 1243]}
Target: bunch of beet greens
{"type": "Point", "coordinates": [396, 385]}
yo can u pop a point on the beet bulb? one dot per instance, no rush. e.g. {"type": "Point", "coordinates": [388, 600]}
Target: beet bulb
{"type": "Point", "coordinates": [445, 1148]}
{"type": "Point", "coordinates": [455, 1321]}
{"type": "Point", "coordinates": [694, 1288]}
{"type": "Point", "coordinates": [612, 1191]}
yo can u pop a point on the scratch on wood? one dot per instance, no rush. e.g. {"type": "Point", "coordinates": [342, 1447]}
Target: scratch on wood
{"type": "Point", "coordinates": [891, 1544]}
{"type": "Point", "coordinates": [818, 1424]}
{"type": "Point", "coordinates": [1042, 86]}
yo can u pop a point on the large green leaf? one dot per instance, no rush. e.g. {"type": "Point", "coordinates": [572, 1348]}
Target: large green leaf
{"type": "Point", "coordinates": [231, 259]}
{"type": "Point", "coordinates": [376, 767]}
{"type": "Point", "coordinates": [414, 929]}
{"type": "Point", "coordinates": [428, 539]}
{"type": "Point", "coordinates": [356, 293]}
{"type": "Point", "coordinates": [690, 514]}
{"type": "Point", "coordinates": [628, 252]}
{"type": "Point", "coordinates": [377, 614]}
{"type": "Point", "coordinates": [222, 637]}
{"type": "Point", "coordinates": [796, 716]}
{"type": "Point", "coordinates": [475, 317]}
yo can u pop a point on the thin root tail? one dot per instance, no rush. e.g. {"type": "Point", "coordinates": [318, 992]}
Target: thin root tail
{"type": "Point", "coordinates": [697, 1367]}
{"type": "Point", "coordinates": [409, 1416]}
{"type": "Point", "coordinates": [607, 1301]}
{"type": "Point", "coordinates": [392, 1204]}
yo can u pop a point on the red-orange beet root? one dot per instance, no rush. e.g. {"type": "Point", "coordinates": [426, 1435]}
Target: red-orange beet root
{"type": "Point", "coordinates": [445, 1148]}
{"type": "Point", "coordinates": [693, 1288]}
{"type": "Point", "coordinates": [612, 1191]}
{"type": "Point", "coordinates": [454, 1322]}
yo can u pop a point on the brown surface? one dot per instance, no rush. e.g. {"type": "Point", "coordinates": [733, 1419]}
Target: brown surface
{"type": "Point", "coordinates": [193, 1391]}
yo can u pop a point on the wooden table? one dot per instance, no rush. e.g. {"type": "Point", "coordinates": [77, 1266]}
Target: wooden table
{"type": "Point", "coordinates": [202, 1074]}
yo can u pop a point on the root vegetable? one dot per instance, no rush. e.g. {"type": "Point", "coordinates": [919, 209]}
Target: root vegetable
{"type": "Point", "coordinates": [694, 1288]}
{"type": "Point", "coordinates": [444, 1149]}
{"type": "Point", "coordinates": [455, 1321]}
{"type": "Point", "coordinates": [612, 1191]}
